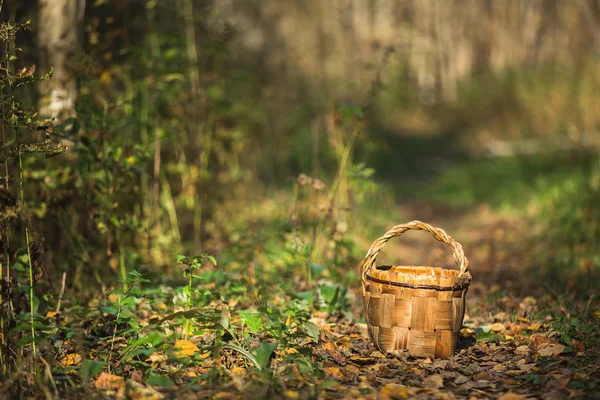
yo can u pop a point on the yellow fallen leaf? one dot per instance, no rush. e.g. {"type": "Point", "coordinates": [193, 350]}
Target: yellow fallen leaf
{"type": "Point", "coordinates": [51, 314]}
{"type": "Point", "coordinates": [289, 350]}
{"type": "Point", "coordinates": [185, 348]}
{"type": "Point", "coordinates": [328, 346]}
{"type": "Point", "coordinates": [204, 356]}
{"type": "Point", "coordinates": [497, 327]}
{"type": "Point", "coordinates": [291, 394]}
{"type": "Point", "coordinates": [534, 327]}
{"type": "Point", "coordinates": [109, 381]}
{"type": "Point", "coordinates": [360, 360]}
{"type": "Point", "coordinates": [71, 359]}
{"type": "Point", "coordinates": [394, 391]}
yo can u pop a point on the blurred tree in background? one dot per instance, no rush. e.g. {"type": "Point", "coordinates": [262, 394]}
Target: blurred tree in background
{"type": "Point", "coordinates": [182, 116]}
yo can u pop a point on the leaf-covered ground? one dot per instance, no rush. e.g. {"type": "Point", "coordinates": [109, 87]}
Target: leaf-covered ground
{"type": "Point", "coordinates": [252, 334]}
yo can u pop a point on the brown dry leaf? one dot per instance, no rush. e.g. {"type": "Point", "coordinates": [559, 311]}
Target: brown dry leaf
{"type": "Point", "coordinates": [538, 341]}
{"type": "Point", "coordinates": [185, 348]}
{"type": "Point", "coordinates": [499, 368]}
{"type": "Point", "coordinates": [526, 367]}
{"type": "Point", "coordinates": [522, 349]}
{"type": "Point", "coordinates": [109, 381]}
{"type": "Point", "coordinates": [338, 357]}
{"type": "Point", "coordinates": [333, 372]}
{"type": "Point", "coordinates": [434, 381]}
{"type": "Point", "coordinates": [71, 359]}
{"type": "Point", "coordinates": [578, 346]}
{"type": "Point", "coordinates": [552, 349]}
{"type": "Point", "coordinates": [394, 392]}
{"type": "Point", "coordinates": [497, 327]}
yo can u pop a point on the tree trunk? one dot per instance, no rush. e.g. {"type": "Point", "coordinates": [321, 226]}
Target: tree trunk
{"type": "Point", "coordinates": [57, 36]}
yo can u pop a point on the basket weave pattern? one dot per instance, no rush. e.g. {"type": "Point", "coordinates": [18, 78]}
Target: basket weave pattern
{"type": "Point", "coordinates": [416, 308]}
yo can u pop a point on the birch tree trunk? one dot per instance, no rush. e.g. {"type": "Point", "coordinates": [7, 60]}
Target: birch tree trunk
{"type": "Point", "coordinates": [57, 37]}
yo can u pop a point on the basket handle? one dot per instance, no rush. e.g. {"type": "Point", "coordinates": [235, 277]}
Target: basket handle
{"type": "Point", "coordinates": [437, 233]}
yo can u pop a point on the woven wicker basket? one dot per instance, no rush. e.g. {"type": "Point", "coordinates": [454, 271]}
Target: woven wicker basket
{"type": "Point", "coordinates": [416, 308]}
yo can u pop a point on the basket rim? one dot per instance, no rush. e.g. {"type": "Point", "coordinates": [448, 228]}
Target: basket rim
{"type": "Point", "coordinates": [464, 284]}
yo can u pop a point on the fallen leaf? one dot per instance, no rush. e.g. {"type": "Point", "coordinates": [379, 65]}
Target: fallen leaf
{"type": "Point", "coordinates": [497, 327]}
{"type": "Point", "coordinates": [522, 349]}
{"type": "Point", "coordinates": [238, 371]}
{"type": "Point", "coordinates": [534, 327]}
{"type": "Point", "coordinates": [552, 349]}
{"type": "Point", "coordinates": [362, 360]}
{"type": "Point", "coordinates": [434, 381]}
{"type": "Point", "coordinates": [578, 346]}
{"type": "Point", "coordinates": [329, 346]}
{"type": "Point", "coordinates": [394, 391]}
{"type": "Point", "coordinates": [526, 367]}
{"type": "Point", "coordinates": [291, 394]}
{"type": "Point", "coordinates": [185, 348]}
{"type": "Point", "coordinates": [499, 368]}
{"type": "Point", "coordinates": [109, 381]}
{"type": "Point", "coordinates": [71, 359]}
{"type": "Point", "coordinates": [333, 372]}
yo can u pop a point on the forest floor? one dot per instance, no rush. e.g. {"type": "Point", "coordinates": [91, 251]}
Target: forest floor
{"type": "Point", "coordinates": [519, 339]}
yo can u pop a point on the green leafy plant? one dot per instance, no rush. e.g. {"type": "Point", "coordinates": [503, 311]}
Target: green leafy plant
{"type": "Point", "coordinates": [29, 136]}
{"type": "Point", "coordinates": [126, 299]}
{"type": "Point", "coordinates": [194, 264]}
